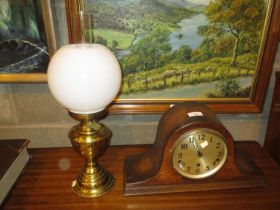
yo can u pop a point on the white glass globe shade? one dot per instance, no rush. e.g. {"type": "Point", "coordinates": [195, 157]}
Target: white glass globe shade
{"type": "Point", "coordinates": [84, 78]}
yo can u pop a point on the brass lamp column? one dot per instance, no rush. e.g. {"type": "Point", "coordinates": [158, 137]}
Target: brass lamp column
{"type": "Point", "coordinates": [91, 139]}
{"type": "Point", "coordinates": [85, 78]}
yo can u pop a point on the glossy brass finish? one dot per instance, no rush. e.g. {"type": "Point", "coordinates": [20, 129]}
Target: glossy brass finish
{"type": "Point", "coordinates": [91, 139]}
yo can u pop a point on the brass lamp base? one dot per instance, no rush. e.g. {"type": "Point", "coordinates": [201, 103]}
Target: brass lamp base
{"type": "Point", "coordinates": [91, 139]}
{"type": "Point", "coordinates": [93, 182]}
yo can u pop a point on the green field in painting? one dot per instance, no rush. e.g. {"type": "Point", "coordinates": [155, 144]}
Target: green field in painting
{"type": "Point", "coordinates": [173, 74]}
{"type": "Point", "coordinates": [124, 39]}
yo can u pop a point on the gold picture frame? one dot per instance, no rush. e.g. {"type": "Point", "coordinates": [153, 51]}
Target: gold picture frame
{"type": "Point", "coordinates": [252, 104]}
{"type": "Point", "coordinates": [48, 23]}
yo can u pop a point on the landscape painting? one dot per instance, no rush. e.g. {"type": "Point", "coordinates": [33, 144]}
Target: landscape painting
{"type": "Point", "coordinates": [173, 49]}
{"type": "Point", "coordinates": [23, 46]}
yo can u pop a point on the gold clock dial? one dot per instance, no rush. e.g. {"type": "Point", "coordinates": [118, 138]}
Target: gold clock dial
{"type": "Point", "coordinates": [199, 153]}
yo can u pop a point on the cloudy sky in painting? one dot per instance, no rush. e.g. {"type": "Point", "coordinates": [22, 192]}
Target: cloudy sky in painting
{"type": "Point", "coordinates": [205, 2]}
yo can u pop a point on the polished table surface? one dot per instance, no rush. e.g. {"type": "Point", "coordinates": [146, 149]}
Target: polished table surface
{"type": "Point", "coordinates": [46, 184]}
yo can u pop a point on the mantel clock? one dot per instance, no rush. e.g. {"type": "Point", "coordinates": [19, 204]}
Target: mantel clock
{"type": "Point", "coordinates": [193, 151]}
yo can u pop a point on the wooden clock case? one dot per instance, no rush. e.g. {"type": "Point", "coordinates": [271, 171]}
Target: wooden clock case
{"type": "Point", "coordinates": [152, 172]}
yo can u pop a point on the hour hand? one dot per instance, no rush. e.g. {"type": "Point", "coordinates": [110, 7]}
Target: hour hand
{"type": "Point", "coordinates": [199, 153]}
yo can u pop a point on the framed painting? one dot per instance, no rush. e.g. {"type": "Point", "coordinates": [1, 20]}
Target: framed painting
{"type": "Point", "coordinates": [27, 40]}
{"type": "Point", "coordinates": [219, 52]}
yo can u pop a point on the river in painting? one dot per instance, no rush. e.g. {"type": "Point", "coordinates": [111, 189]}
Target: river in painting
{"type": "Point", "coordinates": [185, 35]}
{"type": "Point", "coordinates": [188, 32]}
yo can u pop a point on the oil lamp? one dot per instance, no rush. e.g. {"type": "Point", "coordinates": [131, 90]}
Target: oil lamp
{"type": "Point", "coordinates": [85, 78]}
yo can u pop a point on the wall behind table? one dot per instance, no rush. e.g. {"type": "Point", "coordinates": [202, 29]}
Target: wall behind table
{"type": "Point", "coordinates": [29, 111]}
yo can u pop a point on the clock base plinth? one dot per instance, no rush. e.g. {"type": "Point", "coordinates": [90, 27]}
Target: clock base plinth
{"type": "Point", "coordinates": [244, 174]}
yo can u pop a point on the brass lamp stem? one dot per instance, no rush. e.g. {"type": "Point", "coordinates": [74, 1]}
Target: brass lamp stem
{"type": "Point", "coordinates": [90, 139]}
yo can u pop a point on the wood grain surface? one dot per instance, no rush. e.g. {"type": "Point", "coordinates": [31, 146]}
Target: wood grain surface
{"type": "Point", "coordinates": [272, 143]}
{"type": "Point", "coordinates": [152, 173]}
{"type": "Point", "coordinates": [46, 184]}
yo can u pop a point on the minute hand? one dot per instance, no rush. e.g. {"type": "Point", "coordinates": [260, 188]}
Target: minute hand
{"type": "Point", "coordinates": [199, 153]}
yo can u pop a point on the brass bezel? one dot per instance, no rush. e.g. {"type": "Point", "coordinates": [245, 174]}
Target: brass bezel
{"type": "Point", "coordinates": [208, 173]}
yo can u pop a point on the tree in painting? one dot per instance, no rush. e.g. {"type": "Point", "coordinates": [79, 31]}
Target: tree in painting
{"type": "Point", "coordinates": [238, 18]}
{"type": "Point", "coordinates": [147, 53]}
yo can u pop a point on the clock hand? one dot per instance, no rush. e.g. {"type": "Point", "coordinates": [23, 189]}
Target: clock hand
{"type": "Point", "coordinates": [199, 153]}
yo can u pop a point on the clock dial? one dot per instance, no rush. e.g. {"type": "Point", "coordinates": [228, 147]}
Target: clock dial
{"type": "Point", "coordinates": [199, 153]}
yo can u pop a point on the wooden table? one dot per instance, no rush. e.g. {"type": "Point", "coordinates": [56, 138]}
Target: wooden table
{"type": "Point", "coordinates": [46, 184]}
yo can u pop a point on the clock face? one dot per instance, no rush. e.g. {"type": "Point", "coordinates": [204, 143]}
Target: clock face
{"type": "Point", "coordinates": [199, 153]}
